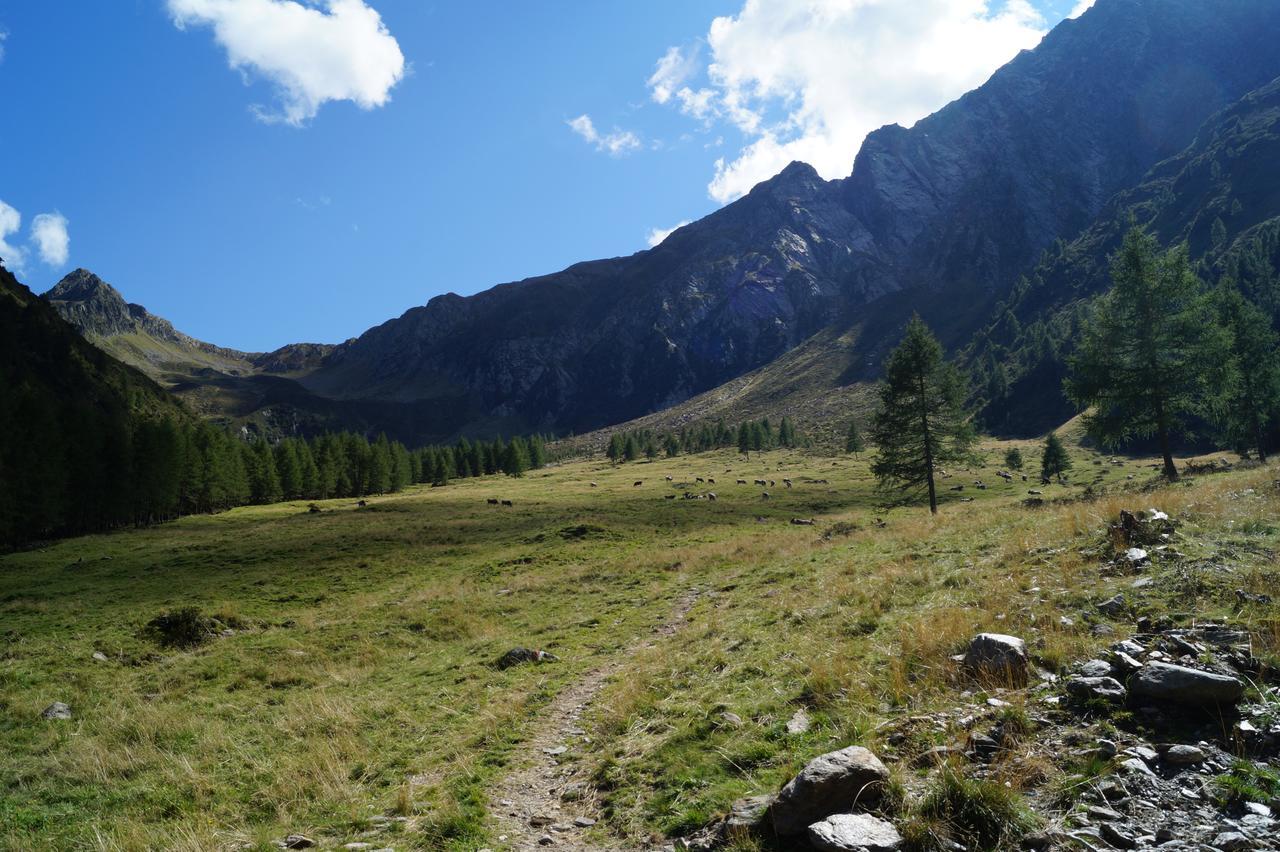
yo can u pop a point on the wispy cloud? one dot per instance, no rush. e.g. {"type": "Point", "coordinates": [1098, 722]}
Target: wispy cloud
{"type": "Point", "coordinates": [49, 232]}
{"type": "Point", "coordinates": [616, 143]}
{"type": "Point", "coordinates": [657, 235]}
{"type": "Point", "coordinates": [10, 223]}
{"type": "Point", "coordinates": [312, 56]}
{"type": "Point", "coordinates": [1080, 8]}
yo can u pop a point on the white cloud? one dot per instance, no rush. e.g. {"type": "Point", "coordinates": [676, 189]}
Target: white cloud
{"type": "Point", "coordinates": [341, 53]}
{"type": "Point", "coordinates": [1080, 8]}
{"type": "Point", "coordinates": [675, 66]}
{"type": "Point", "coordinates": [808, 79]}
{"type": "Point", "coordinates": [616, 143]}
{"type": "Point", "coordinates": [10, 222]}
{"type": "Point", "coordinates": [49, 232]}
{"type": "Point", "coordinates": [657, 235]}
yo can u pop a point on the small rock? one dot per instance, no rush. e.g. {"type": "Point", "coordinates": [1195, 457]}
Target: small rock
{"type": "Point", "coordinates": [748, 814]}
{"type": "Point", "coordinates": [539, 820]}
{"type": "Point", "coordinates": [546, 840]}
{"type": "Point", "coordinates": [1232, 841]}
{"type": "Point", "coordinates": [798, 723]}
{"type": "Point", "coordinates": [731, 719]}
{"type": "Point", "coordinates": [555, 752]}
{"type": "Point", "coordinates": [357, 846]}
{"type": "Point", "coordinates": [1136, 766]}
{"type": "Point", "coordinates": [1096, 687]}
{"type": "Point", "coordinates": [1182, 685]}
{"type": "Point", "coordinates": [1113, 606]}
{"type": "Point", "coordinates": [584, 822]}
{"type": "Point", "coordinates": [1095, 668]}
{"type": "Point", "coordinates": [1183, 755]}
{"type": "Point", "coordinates": [1135, 555]}
{"type": "Point", "coordinates": [56, 710]}
{"type": "Point", "coordinates": [516, 656]}
{"type": "Point", "coordinates": [1164, 835]}
{"type": "Point", "coordinates": [1107, 749]}
{"type": "Point", "coordinates": [1118, 837]}
{"type": "Point", "coordinates": [854, 833]}
{"type": "Point", "coordinates": [1106, 814]}
{"type": "Point", "coordinates": [297, 841]}
{"type": "Point", "coordinates": [998, 656]}
{"type": "Point", "coordinates": [99, 656]}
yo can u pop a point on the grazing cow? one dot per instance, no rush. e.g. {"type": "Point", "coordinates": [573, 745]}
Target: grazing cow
{"type": "Point", "coordinates": [760, 482]}
{"type": "Point", "coordinates": [699, 479]}
{"type": "Point", "coordinates": [667, 478]}
{"type": "Point", "coordinates": [1033, 492]}
{"type": "Point", "coordinates": [772, 483]}
{"type": "Point", "coordinates": [669, 497]}
{"type": "Point", "coordinates": [595, 485]}
{"type": "Point", "coordinates": [802, 522]}
{"type": "Point", "coordinates": [711, 495]}
{"type": "Point", "coordinates": [764, 495]}
{"type": "Point", "coordinates": [742, 482]}
{"type": "Point", "coordinates": [362, 504]}
{"type": "Point", "coordinates": [1024, 477]}
{"type": "Point", "coordinates": [879, 522]}
{"type": "Point", "coordinates": [492, 501]}
{"type": "Point", "coordinates": [637, 483]}
{"type": "Point", "coordinates": [711, 481]}
{"type": "Point", "coordinates": [957, 488]}
{"type": "Point", "coordinates": [507, 503]}
{"type": "Point", "coordinates": [786, 482]}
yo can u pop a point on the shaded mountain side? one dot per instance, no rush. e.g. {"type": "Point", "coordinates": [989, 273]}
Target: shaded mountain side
{"type": "Point", "coordinates": [945, 216]}
{"type": "Point", "coordinates": [1221, 196]}
{"type": "Point", "coordinates": [67, 414]}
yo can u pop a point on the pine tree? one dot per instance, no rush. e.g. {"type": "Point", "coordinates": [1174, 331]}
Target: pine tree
{"type": "Point", "coordinates": [1013, 459]}
{"type": "Point", "coordinates": [617, 446]}
{"type": "Point", "coordinates": [516, 458]}
{"type": "Point", "coordinates": [1252, 397]}
{"type": "Point", "coordinates": [921, 423]}
{"type": "Point", "coordinates": [744, 440]}
{"type": "Point", "coordinates": [1054, 460]}
{"type": "Point", "coordinates": [264, 480]}
{"type": "Point", "coordinates": [380, 480]}
{"type": "Point", "coordinates": [631, 448]}
{"type": "Point", "coordinates": [853, 442]}
{"type": "Point", "coordinates": [1151, 355]}
{"type": "Point", "coordinates": [289, 468]}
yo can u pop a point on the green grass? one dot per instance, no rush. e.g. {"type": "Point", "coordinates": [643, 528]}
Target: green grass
{"type": "Point", "coordinates": [358, 682]}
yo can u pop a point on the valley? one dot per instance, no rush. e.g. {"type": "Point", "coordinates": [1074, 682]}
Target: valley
{"type": "Point", "coordinates": [346, 689]}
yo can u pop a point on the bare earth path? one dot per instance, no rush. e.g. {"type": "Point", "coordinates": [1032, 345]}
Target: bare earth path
{"type": "Point", "coordinates": [544, 803]}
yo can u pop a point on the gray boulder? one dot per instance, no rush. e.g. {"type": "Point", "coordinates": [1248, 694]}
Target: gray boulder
{"type": "Point", "coordinates": [1159, 681]}
{"type": "Point", "coordinates": [854, 833]}
{"type": "Point", "coordinates": [747, 816]}
{"type": "Point", "coordinates": [829, 784]}
{"type": "Point", "coordinates": [995, 655]}
{"type": "Point", "coordinates": [56, 710]}
{"type": "Point", "coordinates": [1096, 687]}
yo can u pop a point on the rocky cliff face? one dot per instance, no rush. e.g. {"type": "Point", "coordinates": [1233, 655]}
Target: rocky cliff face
{"type": "Point", "coordinates": [942, 217]}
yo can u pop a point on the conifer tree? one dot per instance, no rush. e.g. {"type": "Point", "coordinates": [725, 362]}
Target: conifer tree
{"type": "Point", "coordinates": [1054, 460]}
{"type": "Point", "coordinates": [1151, 356]}
{"type": "Point", "coordinates": [516, 458]}
{"type": "Point", "coordinates": [853, 442]}
{"type": "Point", "coordinates": [379, 481]}
{"type": "Point", "coordinates": [1252, 398]}
{"type": "Point", "coordinates": [921, 423]}
{"type": "Point", "coordinates": [1013, 459]}
{"type": "Point", "coordinates": [617, 446]}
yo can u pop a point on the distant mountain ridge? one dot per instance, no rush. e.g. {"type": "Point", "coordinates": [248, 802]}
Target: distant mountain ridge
{"type": "Point", "coordinates": [943, 218]}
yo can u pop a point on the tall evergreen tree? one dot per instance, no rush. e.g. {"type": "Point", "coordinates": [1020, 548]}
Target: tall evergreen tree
{"type": "Point", "coordinates": [853, 442]}
{"type": "Point", "coordinates": [1151, 356]}
{"type": "Point", "coordinates": [1013, 459]}
{"type": "Point", "coordinates": [1054, 460]}
{"type": "Point", "coordinates": [1253, 394]}
{"type": "Point", "coordinates": [921, 422]}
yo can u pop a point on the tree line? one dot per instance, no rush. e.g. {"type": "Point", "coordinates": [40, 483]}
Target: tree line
{"type": "Point", "coordinates": [750, 436]}
{"type": "Point", "coordinates": [1160, 355]}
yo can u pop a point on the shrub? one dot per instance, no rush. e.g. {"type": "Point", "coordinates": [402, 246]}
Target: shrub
{"type": "Point", "coordinates": [181, 628]}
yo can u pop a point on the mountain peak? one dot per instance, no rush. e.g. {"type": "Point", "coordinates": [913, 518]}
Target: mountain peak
{"type": "Point", "coordinates": [81, 285]}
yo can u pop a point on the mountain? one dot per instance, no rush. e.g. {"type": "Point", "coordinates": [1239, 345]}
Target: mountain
{"type": "Point", "coordinates": [943, 217]}
{"type": "Point", "coordinates": [1221, 196]}
{"type": "Point", "coordinates": [787, 299]}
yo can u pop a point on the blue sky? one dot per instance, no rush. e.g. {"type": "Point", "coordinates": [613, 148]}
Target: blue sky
{"type": "Point", "coordinates": [321, 188]}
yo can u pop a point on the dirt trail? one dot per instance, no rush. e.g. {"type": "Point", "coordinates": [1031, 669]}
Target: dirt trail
{"type": "Point", "coordinates": [544, 804]}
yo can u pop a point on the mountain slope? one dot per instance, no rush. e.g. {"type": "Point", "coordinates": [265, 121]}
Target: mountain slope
{"type": "Point", "coordinates": [1221, 196]}
{"type": "Point", "coordinates": [942, 217]}
{"type": "Point", "coordinates": [67, 410]}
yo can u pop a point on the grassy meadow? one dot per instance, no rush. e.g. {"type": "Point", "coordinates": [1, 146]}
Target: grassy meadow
{"type": "Point", "coordinates": [354, 682]}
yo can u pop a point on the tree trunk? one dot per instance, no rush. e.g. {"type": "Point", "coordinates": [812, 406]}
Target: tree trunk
{"type": "Point", "coordinates": [928, 450]}
{"type": "Point", "coordinates": [1170, 469]}
{"type": "Point", "coordinates": [1260, 438]}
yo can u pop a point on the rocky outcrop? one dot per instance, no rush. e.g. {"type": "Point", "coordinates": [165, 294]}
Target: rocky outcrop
{"type": "Point", "coordinates": [1159, 681]}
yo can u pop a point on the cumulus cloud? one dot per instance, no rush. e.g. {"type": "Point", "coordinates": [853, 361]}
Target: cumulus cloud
{"type": "Point", "coordinates": [10, 223]}
{"type": "Point", "coordinates": [616, 143]}
{"type": "Point", "coordinates": [49, 233]}
{"type": "Point", "coordinates": [657, 235]}
{"type": "Point", "coordinates": [1080, 8]}
{"type": "Point", "coordinates": [808, 79]}
{"type": "Point", "coordinates": [342, 52]}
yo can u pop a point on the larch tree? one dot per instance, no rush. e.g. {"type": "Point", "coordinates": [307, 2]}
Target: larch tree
{"type": "Point", "coordinates": [1253, 394]}
{"type": "Point", "coordinates": [1151, 356]}
{"type": "Point", "coordinates": [921, 422]}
